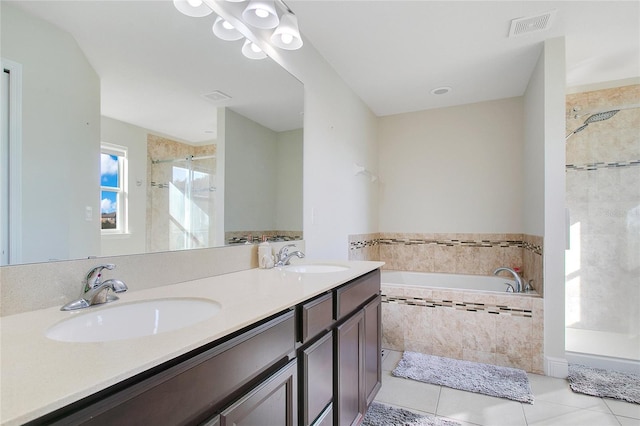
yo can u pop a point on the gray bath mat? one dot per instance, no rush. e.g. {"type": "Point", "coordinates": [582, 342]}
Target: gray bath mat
{"type": "Point", "coordinates": [604, 383]}
{"type": "Point", "coordinates": [487, 379]}
{"type": "Point", "coordinates": [384, 415]}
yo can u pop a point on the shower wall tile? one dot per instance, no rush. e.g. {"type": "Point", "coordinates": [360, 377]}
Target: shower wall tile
{"type": "Point", "coordinates": [163, 233]}
{"type": "Point", "coordinates": [603, 195]}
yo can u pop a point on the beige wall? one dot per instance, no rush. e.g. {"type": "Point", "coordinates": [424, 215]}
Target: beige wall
{"type": "Point", "coordinates": [457, 169]}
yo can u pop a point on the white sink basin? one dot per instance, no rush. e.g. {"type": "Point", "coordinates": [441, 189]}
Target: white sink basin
{"type": "Point", "coordinates": [131, 320]}
{"type": "Point", "coordinates": [315, 268]}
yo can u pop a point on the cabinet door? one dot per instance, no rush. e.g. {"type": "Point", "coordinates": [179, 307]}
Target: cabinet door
{"type": "Point", "coordinates": [372, 348]}
{"type": "Point", "coordinates": [349, 396]}
{"type": "Point", "coordinates": [273, 403]}
{"type": "Point", "coordinates": [316, 363]}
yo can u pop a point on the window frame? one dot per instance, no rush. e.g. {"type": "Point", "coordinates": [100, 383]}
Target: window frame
{"type": "Point", "coordinates": [122, 191]}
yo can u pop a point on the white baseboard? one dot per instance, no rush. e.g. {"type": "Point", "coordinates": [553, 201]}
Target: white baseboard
{"type": "Point", "coordinates": [556, 367]}
{"type": "Point", "coordinates": [607, 363]}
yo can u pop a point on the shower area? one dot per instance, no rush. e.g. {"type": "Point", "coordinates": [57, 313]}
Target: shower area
{"type": "Point", "coordinates": [603, 205]}
{"type": "Point", "coordinates": [180, 196]}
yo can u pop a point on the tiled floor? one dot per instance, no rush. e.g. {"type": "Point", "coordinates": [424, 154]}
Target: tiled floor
{"type": "Point", "coordinates": [555, 404]}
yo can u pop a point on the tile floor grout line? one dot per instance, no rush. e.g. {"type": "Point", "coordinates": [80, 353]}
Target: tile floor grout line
{"type": "Point", "coordinates": [524, 413]}
{"type": "Point", "coordinates": [438, 401]}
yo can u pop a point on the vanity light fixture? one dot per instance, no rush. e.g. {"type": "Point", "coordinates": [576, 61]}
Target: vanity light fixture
{"type": "Point", "coordinates": [287, 35]}
{"type": "Point", "coordinates": [225, 31]}
{"type": "Point", "coordinates": [193, 8]}
{"type": "Point", "coordinates": [252, 50]}
{"type": "Point", "coordinates": [261, 14]}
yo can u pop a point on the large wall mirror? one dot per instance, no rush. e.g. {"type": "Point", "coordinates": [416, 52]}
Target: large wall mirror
{"type": "Point", "coordinates": [140, 131]}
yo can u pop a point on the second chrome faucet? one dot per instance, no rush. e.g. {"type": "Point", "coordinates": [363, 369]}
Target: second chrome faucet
{"type": "Point", "coordinates": [284, 256]}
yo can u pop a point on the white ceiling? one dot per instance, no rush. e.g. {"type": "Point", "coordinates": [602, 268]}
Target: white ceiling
{"type": "Point", "coordinates": [393, 53]}
{"type": "Point", "coordinates": [155, 63]}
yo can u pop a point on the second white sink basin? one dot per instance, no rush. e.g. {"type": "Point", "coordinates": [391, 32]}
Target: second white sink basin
{"type": "Point", "coordinates": [315, 268]}
{"type": "Point", "coordinates": [131, 320]}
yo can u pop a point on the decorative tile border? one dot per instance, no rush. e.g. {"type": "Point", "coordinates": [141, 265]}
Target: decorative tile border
{"type": "Point", "coordinates": [534, 248]}
{"type": "Point", "coordinates": [447, 243]}
{"type": "Point", "coordinates": [461, 306]}
{"type": "Point", "coordinates": [601, 165]}
{"type": "Point", "coordinates": [451, 243]}
{"type": "Point", "coordinates": [362, 244]}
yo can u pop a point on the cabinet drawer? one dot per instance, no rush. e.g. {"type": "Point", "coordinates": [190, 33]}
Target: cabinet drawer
{"type": "Point", "coordinates": [317, 316]}
{"type": "Point", "coordinates": [355, 294]}
{"type": "Point", "coordinates": [187, 392]}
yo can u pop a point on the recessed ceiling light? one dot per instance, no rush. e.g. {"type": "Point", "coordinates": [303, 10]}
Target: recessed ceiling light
{"type": "Point", "coordinates": [441, 90]}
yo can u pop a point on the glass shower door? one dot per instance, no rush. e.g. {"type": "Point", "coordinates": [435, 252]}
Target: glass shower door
{"type": "Point", "coordinates": [603, 198]}
{"type": "Point", "coordinates": [183, 203]}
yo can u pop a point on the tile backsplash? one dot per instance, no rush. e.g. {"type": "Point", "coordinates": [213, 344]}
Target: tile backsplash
{"type": "Point", "coordinates": [42, 285]}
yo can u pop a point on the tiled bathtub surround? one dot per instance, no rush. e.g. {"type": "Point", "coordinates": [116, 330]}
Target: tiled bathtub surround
{"type": "Point", "coordinates": [477, 254]}
{"type": "Point", "coordinates": [476, 326]}
{"type": "Point", "coordinates": [503, 330]}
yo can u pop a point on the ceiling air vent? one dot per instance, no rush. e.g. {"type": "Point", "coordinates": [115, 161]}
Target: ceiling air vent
{"type": "Point", "coordinates": [217, 96]}
{"type": "Point", "coordinates": [531, 24]}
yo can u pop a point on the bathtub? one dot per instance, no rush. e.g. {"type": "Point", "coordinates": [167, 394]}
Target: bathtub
{"type": "Point", "coordinates": [449, 281]}
{"type": "Point", "coordinates": [468, 317]}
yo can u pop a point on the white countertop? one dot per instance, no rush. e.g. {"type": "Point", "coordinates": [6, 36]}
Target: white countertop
{"type": "Point", "coordinates": [40, 375]}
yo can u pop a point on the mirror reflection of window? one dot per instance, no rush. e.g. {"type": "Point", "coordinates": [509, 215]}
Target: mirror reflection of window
{"type": "Point", "coordinates": [113, 189]}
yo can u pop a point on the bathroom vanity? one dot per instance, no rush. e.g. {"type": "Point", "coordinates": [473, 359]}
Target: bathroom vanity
{"type": "Point", "coordinates": [286, 348]}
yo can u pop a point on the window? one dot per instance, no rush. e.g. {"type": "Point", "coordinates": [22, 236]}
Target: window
{"type": "Point", "coordinates": [113, 189]}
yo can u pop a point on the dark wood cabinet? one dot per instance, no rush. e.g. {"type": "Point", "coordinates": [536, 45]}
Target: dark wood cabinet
{"type": "Point", "coordinates": [315, 364]}
{"type": "Point", "coordinates": [358, 342]}
{"type": "Point", "coordinates": [349, 341]}
{"type": "Point", "coordinates": [274, 402]}
{"type": "Point", "coordinates": [316, 316]}
{"type": "Point", "coordinates": [372, 347]}
{"type": "Point", "coordinates": [191, 390]}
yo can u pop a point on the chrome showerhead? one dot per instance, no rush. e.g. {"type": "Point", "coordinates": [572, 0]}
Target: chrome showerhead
{"type": "Point", "coordinates": [594, 118]}
{"type": "Point", "coordinates": [601, 116]}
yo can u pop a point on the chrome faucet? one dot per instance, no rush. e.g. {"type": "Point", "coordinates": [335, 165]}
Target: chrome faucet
{"type": "Point", "coordinates": [516, 277]}
{"type": "Point", "coordinates": [283, 257]}
{"type": "Point", "coordinates": [95, 291]}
